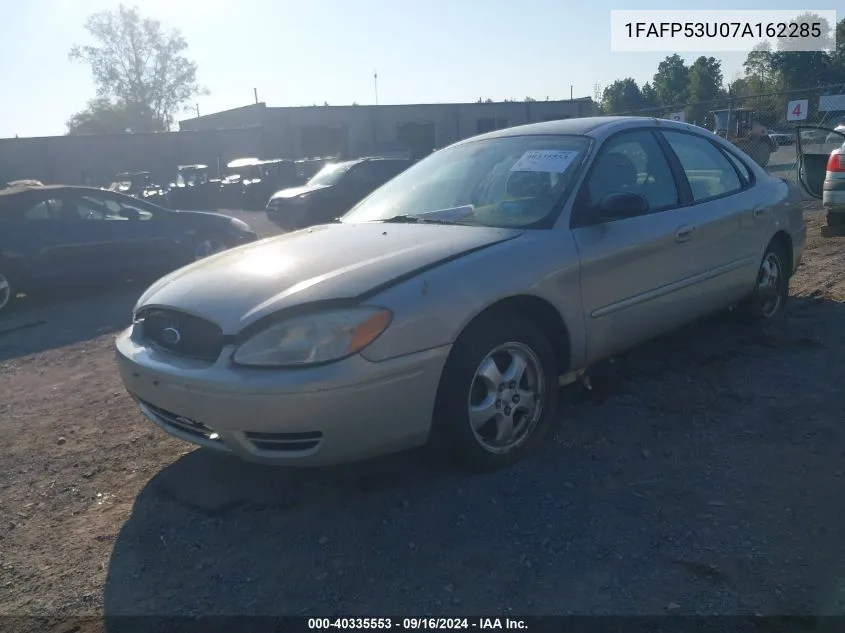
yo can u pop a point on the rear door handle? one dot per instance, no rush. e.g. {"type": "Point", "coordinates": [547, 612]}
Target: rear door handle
{"type": "Point", "coordinates": [684, 233]}
{"type": "Point", "coordinates": [758, 211]}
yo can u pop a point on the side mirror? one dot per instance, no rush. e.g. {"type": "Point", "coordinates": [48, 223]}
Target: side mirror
{"type": "Point", "coordinates": [621, 205]}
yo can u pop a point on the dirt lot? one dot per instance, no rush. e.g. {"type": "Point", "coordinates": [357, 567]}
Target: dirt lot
{"type": "Point", "coordinates": [705, 473]}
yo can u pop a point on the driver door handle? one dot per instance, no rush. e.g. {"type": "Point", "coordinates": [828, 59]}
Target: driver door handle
{"type": "Point", "coordinates": [684, 233]}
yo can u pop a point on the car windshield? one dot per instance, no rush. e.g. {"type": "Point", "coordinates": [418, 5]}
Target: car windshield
{"type": "Point", "coordinates": [330, 174]}
{"type": "Point", "coordinates": [505, 182]}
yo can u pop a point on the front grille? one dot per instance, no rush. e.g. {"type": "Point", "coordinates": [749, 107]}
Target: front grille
{"type": "Point", "coordinates": [180, 333]}
{"type": "Point", "coordinates": [181, 423]}
{"type": "Point", "coordinates": [285, 442]}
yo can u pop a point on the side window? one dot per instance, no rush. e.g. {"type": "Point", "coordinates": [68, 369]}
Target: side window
{"type": "Point", "coordinates": [632, 162]}
{"type": "Point", "coordinates": [91, 208]}
{"type": "Point", "coordinates": [744, 172]}
{"type": "Point", "coordinates": [709, 172]}
{"type": "Point", "coordinates": [43, 210]}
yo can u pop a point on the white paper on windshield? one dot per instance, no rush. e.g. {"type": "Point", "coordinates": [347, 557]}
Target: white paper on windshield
{"type": "Point", "coordinates": [550, 161]}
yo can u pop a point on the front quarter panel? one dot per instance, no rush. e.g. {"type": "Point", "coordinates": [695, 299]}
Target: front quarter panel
{"type": "Point", "coordinates": [433, 308]}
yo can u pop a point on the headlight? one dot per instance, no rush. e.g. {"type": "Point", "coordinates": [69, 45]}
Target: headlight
{"type": "Point", "coordinates": [239, 225]}
{"type": "Point", "coordinates": [321, 337]}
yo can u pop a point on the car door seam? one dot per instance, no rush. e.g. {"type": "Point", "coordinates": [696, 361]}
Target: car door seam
{"type": "Point", "coordinates": [681, 284]}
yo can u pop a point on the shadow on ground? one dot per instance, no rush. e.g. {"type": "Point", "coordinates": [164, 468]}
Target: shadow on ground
{"type": "Point", "coordinates": [66, 317]}
{"type": "Point", "coordinates": [702, 474]}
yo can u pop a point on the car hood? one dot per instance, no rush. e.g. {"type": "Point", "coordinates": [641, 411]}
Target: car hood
{"type": "Point", "coordinates": [292, 192]}
{"type": "Point", "coordinates": [336, 261]}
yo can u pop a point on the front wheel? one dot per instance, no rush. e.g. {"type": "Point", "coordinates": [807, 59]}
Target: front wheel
{"type": "Point", "coordinates": [497, 394]}
{"type": "Point", "coordinates": [768, 300]}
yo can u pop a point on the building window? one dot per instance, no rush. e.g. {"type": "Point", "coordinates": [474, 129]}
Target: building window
{"type": "Point", "coordinates": [419, 138]}
{"type": "Point", "coordinates": [483, 126]}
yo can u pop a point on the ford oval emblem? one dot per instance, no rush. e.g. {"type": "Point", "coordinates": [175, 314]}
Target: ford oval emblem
{"type": "Point", "coordinates": [171, 335]}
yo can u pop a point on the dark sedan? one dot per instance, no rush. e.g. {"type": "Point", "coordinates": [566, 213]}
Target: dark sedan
{"type": "Point", "coordinates": [55, 235]}
{"type": "Point", "coordinates": [332, 191]}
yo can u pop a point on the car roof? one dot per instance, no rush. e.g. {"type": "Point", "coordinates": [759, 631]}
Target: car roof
{"type": "Point", "coordinates": [597, 126]}
{"type": "Point", "coordinates": [242, 162]}
{"type": "Point", "coordinates": [18, 190]}
{"type": "Point", "coordinates": [181, 167]}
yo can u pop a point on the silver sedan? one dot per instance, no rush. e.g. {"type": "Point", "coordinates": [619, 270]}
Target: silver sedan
{"type": "Point", "coordinates": [447, 306]}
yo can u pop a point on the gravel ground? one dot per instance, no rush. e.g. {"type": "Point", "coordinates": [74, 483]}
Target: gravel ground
{"type": "Point", "coordinates": [704, 473]}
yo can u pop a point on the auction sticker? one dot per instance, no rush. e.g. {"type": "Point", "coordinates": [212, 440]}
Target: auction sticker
{"type": "Point", "coordinates": [545, 160]}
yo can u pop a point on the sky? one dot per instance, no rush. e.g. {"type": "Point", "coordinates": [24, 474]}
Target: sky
{"type": "Point", "coordinates": [316, 51]}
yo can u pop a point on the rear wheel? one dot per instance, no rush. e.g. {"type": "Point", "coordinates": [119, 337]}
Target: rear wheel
{"type": "Point", "coordinates": [8, 289]}
{"type": "Point", "coordinates": [497, 394]}
{"type": "Point", "coordinates": [768, 300]}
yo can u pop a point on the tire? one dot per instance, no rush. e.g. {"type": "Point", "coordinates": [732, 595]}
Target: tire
{"type": "Point", "coordinates": [8, 289]}
{"type": "Point", "coordinates": [463, 386]}
{"type": "Point", "coordinates": [835, 219]}
{"type": "Point", "coordinates": [767, 301]}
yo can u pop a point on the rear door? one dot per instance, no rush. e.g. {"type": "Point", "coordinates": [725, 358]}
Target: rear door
{"type": "Point", "coordinates": [815, 145]}
{"type": "Point", "coordinates": [732, 216]}
{"type": "Point", "coordinates": [638, 274]}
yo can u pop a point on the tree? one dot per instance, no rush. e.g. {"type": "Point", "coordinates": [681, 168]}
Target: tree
{"type": "Point", "coordinates": [103, 117]}
{"type": "Point", "coordinates": [705, 86]}
{"type": "Point", "coordinates": [649, 96]}
{"type": "Point", "coordinates": [671, 82]}
{"type": "Point", "coordinates": [138, 68]}
{"type": "Point", "coordinates": [799, 69]}
{"type": "Point", "coordinates": [759, 62]}
{"type": "Point", "coordinates": [622, 96]}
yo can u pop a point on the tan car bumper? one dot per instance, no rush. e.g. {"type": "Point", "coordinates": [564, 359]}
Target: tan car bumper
{"type": "Point", "coordinates": [337, 413]}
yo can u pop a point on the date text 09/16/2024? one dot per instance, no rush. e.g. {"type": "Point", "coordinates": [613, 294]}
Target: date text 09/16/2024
{"type": "Point", "coordinates": [417, 624]}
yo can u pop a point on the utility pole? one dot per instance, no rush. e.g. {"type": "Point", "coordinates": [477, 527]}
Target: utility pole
{"type": "Point", "coordinates": [255, 92]}
{"type": "Point", "coordinates": [571, 88]}
{"type": "Point", "coordinates": [375, 84]}
{"type": "Point", "coordinates": [198, 110]}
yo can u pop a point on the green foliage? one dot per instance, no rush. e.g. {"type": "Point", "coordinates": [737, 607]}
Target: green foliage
{"type": "Point", "coordinates": [140, 70]}
{"type": "Point", "coordinates": [104, 117]}
{"type": "Point", "coordinates": [671, 82]}
{"type": "Point", "coordinates": [770, 79]}
{"type": "Point", "coordinates": [622, 96]}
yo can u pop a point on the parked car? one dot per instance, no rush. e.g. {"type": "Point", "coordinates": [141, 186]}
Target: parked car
{"type": "Point", "coordinates": [332, 192]}
{"type": "Point", "coordinates": [821, 172]}
{"type": "Point", "coordinates": [834, 135]}
{"type": "Point", "coordinates": [63, 235]}
{"type": "Point", "coordinates": [139, 184]}
{"type": "Point", "coordinates": [447, 306]}
{"type": "Point", "coordinates": [194, 189]}
{"type": "Point", "coordinates": [782, 138]}
{"type": "Point", "coordinates": [250, 182]}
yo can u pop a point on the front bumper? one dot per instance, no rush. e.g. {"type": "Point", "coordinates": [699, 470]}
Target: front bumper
{"type": "Point", "coordinates": [287, 216]}
{"type": "Point", "coordinates": [337, 413]}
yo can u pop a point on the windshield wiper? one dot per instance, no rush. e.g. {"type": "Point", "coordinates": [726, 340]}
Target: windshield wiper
{"type": "Point", "coordinates": [414, 219]}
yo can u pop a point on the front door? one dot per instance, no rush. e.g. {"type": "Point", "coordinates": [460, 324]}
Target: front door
{"type": "Point", "coordinates": [637, 273]}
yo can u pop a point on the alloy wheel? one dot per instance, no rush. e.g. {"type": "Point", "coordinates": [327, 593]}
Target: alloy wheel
{"type": "Point", "coordinates": [506, 397]}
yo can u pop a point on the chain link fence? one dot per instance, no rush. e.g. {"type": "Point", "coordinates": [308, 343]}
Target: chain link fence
{"type": "Point", "coordinates": [764, 125]}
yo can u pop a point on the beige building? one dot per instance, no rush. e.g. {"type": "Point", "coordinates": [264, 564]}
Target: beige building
{"type": "Point", "coordinates": [268, 132]}
{"type": "Point", "coordinates": [355, 130]}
